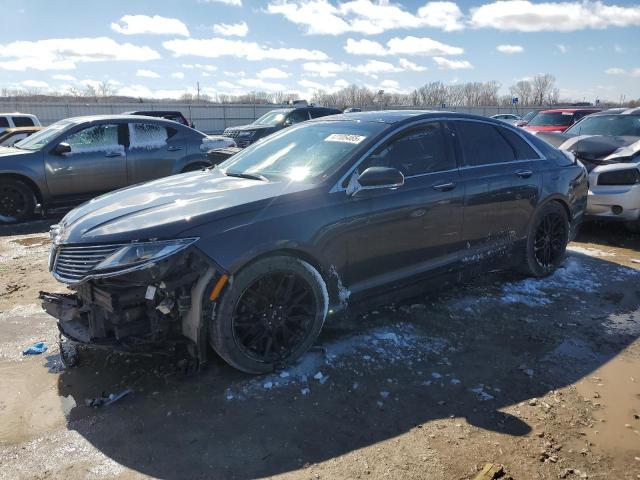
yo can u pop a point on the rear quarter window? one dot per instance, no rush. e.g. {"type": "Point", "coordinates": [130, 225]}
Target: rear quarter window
{"type": "Point", "coordinates": [522, 149]}
{"type": "Point", "coordinates": [22, 121]}
{"type": "Point", "coordinates": [4, 122]}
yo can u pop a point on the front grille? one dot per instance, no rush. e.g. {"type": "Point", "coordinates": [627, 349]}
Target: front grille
{"type": "Point", "coordinates": [73, 263]}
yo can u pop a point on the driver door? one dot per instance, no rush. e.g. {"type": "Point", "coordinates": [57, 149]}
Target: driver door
{"type": "Point", "coordinates": [97, 162]}
{"type": "Point", "coordinates": [401, 232]}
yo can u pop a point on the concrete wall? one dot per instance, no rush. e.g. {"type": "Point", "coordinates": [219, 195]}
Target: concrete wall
{"type": "Point", "coordinates": [210, 118]}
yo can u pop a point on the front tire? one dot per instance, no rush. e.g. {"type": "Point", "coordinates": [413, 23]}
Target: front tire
{"type": "Point", "coordinates": [547, 240]}
{"type": "Point", "coordinates": [270, 314]}
{"type": "Point", "coordinates": [17, 201]}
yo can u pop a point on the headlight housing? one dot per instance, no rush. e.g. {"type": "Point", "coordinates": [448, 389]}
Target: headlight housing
{"type": "Point", "coordinates": [138, 255]}
{"type": "Point", "coordinates": [628, 176]}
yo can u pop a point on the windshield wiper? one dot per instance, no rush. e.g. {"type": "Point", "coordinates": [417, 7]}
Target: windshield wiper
{"type": "Point", "coordinates": [251, 176]}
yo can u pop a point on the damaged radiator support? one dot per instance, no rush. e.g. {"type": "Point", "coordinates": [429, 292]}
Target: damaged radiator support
{"type": "Point", "coordinates": [130, 312]}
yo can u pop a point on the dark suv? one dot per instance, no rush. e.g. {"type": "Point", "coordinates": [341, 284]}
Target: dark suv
{"type": "Point", "coordinates": [275, 120]}
{"type": "Point", "coordinates": [253, 256]}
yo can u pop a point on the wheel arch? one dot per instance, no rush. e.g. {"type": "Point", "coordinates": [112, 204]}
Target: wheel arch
{"type": "Point", "coordinates": [27, 181]}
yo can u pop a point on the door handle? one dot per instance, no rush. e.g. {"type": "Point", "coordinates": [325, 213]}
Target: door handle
{"type": "Point", "coordinates": [524, 173]}
{"type": "Point", "coordinates": [173, 149]}
{"type": "Point", "coordinates": [112, 154]}
{"type": "Point", "coordinates": [444, 187]}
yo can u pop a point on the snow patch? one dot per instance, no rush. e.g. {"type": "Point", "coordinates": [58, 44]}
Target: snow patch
{"type": "Point", "coordinates": [216, 142]}
{"type": "Point", "coordinates": [147, 136]}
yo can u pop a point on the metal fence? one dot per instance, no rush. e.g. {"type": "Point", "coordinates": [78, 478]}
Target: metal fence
{"type": "Point", "coordinates": [209, 118]}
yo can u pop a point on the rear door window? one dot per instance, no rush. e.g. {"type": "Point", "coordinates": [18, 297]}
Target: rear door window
{"type": "Point", "coordinates": [148, 136]}
{"type": "Point", "coordinates": [22, 121]}
{"type": "Point", "coordinates": [4, 122]}
{"type": "Point", "coordinates": [482, 144]}
{"type": "Point", "coordinates": [298, 116]}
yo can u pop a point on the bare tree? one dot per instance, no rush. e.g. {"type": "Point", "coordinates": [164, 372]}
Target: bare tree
{"type": "Point", "coordinates": [542, 88]}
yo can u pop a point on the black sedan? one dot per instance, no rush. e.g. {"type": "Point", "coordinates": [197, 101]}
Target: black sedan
{"type": "Point", "coordinates": [253, 256]}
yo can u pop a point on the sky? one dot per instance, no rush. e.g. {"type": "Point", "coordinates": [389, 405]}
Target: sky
{"type": "Point", "coordinates": [163, 48]}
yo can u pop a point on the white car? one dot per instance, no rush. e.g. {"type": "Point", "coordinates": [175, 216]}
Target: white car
{"type": "Point", "coordinates": [608, 145]}
{"type": "Point", "coordinates": [16, 119]}
{"type": "Point", "coordinates": [510, 118]}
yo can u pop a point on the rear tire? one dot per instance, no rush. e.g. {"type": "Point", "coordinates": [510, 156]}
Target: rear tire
{"type": "Point", "coordinates": [17, 201]}
{"type": "Point", "coordinates": [547, 240]}
{"type": "Point", "coordinates": [633, 227]}
{"type": "Point", "coordinates": [269, 315]}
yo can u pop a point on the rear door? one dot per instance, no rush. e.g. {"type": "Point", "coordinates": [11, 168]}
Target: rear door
{"type": "Point", "coordinates": [153, 151]}
{"type": "Point", "coordinates": [502, 183]}
{"type": "Point", "coordinates": [406, 231]}
{"type": "Point", "coordinates": [96, 163]}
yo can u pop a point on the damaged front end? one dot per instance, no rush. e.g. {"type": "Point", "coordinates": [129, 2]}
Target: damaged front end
{"type": "Point", "coordinates": [142, 297]}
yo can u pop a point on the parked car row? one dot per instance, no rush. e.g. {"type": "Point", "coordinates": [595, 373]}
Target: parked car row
{"type": "Point", "coordinates": [252, 257]}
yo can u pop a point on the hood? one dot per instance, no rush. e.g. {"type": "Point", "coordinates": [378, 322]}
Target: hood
{"type": "Point", "coordinates": [546, 128]}
{"type": "Point", "coordinates": [164, 208]}
{"type": "Point", "coordinates": [11, 151]}
{"type": "Point", "coordinates": [251, 127]}
{"type": "Point", "coordinates": [596, 149]}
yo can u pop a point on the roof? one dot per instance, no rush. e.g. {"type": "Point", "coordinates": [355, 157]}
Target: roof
{"type": "Point", "coordinates": [17, 114]}
{"type": "Point", "coordinates": [570, 110]}
{"type": "Point", "coordinates": [619, 111]}
{"type": "Point", "coordinates": [153, 112]}
{"type": "Point", "coordinates": [397, 116]}
{"type": "Point", "coordinates": [123, 117]}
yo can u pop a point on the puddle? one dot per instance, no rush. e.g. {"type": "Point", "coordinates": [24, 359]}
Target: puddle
{"type": "Point", "coordinates": [614, 392]}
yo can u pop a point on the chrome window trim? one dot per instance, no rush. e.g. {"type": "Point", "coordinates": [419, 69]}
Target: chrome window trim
{"type": "Point", "coordinates": [338, 185]}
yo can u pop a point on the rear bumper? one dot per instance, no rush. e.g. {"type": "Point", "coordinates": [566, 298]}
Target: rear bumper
{"type": "Point", "coordinates": [619, 202]}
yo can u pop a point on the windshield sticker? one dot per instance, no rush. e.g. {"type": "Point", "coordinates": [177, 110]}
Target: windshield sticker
{"type": "Point", "coordinates": [344, 137]}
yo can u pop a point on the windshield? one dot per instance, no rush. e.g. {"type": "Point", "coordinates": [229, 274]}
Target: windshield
{"type": "Point", "coordinates": [529, 116]}
{"type": "Point", "coordinates": [615, 125]}
{"type": "Point", "coordinates": [43, 137]}
{"type": "Point", "coordinates": [305, 152]}
{"type": "Point", "coordinates": [553, 119]}
{"type": "Point", "coordinates": [272, 118]}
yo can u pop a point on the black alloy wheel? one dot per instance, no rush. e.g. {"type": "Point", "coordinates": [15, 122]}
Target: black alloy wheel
{"type": "Point", "coordinates": [268, 314]}
{"type": "Point", "coordinates": [273, 316]}
{"type": "Point", "coordinates": [550, 240]}
{"type": "Point", "coordinates": [17, 201]}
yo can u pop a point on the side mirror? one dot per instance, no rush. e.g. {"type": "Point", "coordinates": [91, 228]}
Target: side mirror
{"type": "Point", "coordinates": [62, 148]}
{"type": "Point", "coordinates": [376, 178]}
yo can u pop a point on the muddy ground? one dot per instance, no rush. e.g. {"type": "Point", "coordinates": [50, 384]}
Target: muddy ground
{"type": "Point", "coordinates": [541, 376]}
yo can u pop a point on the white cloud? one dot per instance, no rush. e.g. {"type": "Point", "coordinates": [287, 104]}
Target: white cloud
{"type": "Point", "coordinates": [634, 72]}
{"type": "Point", "coordinates": [365, 16]}
{"type": "Point", "coordinates": [324, 69]}
{"type": "Point", "coordinates": [147, 73]}
{"type": "Point", "coordinates": [208, 68]}
{"type": "Point", "coordinates": [410, 66]}
{"type": "Point", "coordinates": [373, 67]}
{"type": "Point", "coordinates": [35, 84]}
{"type": "Point", "coordinates": [401, 46]}
{"type": "Point", "coordinates": [445, 63]}
{"type": "Point", "coordinates": [228, 85]}
{"type": "Point", "coordinates": [64, 53]}
{"type": "Point", "coordinates": [364, 47]}
{"type": "Point", "coordinates": [310, 84]}
{"type": "Point", "coordinates": [179, 75]}
{"type": "Point", "coordinates": [141, 91]}
{"type": "Point", "coordinates": [272, 73]}
{"type": "Point", "coordinates": [218, 47]}
{"type": "Point", "coordinates": [64, 78]}
{"type": "Point", "coordinates": [259, 84]}
{"type": "Point", "coordinates": [525, 16]}
{"type": "Point", "coordinates": [509, 49]}
{"type": "Point", "coordinates": [157, 25]}
{"type": "Point", "coordinates": [393, 84]}
{"type": "Point", "coordinates": [340, 83]}
{"type": "Point", "coordinates": [231, 30]}
{"type": "Point", "coordinates": [562, 48]}
{"type": "Point", "coordinates": [235, 3]}
{"type": "Point", "coordinates": [421, 46]}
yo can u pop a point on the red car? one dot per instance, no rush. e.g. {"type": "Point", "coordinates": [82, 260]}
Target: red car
{"type": "Point", "coordinates": [557, 119]}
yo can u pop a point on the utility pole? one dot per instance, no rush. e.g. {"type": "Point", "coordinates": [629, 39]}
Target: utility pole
{"type": "Point", "coordinates": [198, 90]}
